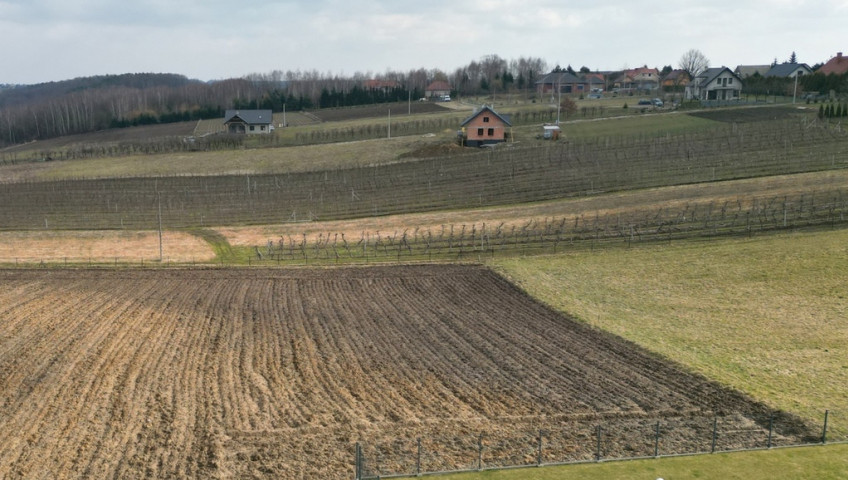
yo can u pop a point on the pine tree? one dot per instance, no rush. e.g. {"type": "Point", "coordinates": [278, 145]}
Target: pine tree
{"type": "Point", "coordinates": [793, 58]}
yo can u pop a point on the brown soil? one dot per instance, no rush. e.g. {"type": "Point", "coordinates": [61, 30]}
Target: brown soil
{"type": "Point", "coordinates": [218, 373]}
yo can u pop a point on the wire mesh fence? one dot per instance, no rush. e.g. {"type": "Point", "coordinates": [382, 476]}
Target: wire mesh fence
{"type": "Point", "coordinates": [591, 440]}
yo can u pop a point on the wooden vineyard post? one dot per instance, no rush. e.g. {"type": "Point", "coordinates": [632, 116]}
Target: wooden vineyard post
{"type": "Point", "coordinates": [159, 203]}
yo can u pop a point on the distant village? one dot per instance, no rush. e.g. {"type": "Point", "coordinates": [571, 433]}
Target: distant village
{"type": "Point", "coordinates": [246, 104]}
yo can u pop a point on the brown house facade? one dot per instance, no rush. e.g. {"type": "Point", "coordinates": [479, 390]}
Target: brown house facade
{"type": "Point", "coordinates": [485, 127]}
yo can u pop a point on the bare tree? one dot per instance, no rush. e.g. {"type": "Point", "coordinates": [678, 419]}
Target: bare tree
{"type": "Point", "coordinates": [693, 62]}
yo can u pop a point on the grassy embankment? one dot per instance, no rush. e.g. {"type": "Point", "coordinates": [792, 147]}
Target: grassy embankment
{"type": "Point", "coordinates": [764, 315]}
{"type": "Point", "coordinates": [814, 463]}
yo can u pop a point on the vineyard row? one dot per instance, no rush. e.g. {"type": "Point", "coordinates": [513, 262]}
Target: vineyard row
{"type": "Point", "coordinates": [551, 235]}
{"type": "Point", "coordinates": [483, 178]}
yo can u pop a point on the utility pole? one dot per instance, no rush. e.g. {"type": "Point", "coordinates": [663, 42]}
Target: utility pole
{"type": "Point", "coordinates": [795, 90]}
{"type": "Point", "coordinates": [159, 202]}
{"type": "Point", "coordinates": [390, 123]}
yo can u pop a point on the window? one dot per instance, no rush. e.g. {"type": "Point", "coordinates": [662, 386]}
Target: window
{"type": "Point", "coordinates": [485, 119]}
{"type": "Point", "coordinates": [252, 128]}
{"type": "Point", "coordinates": [730, 81]}
{"type": "Point", "coordinates": [491, 132]}
{"type": "Point", "coordinates": [479, 132]}
{"type": "Point", "coordinates": [262, 127]}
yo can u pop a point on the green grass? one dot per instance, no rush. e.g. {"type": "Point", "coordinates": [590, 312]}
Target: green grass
{"type": "Point", "coordinates": [819, 463]}
{"type": "Point", "coordinates": [764, 315]}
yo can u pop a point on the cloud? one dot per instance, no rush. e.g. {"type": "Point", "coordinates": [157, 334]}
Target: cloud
{"type": "Point", "coordinates": [221, 38]}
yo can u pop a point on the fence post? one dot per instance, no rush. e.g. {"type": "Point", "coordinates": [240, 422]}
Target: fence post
{"type": "Point", "coordinates": [771, 429]}
{"type": "Point", "coordinates": [418, 460]}
{"type": "Point", "coordinates": [539, 455]}
{"type": "Point", "coordinates": [715, 433]}
{"type": "Point", "coordinates": [357, 460]}
{"type": "Point", "coordinates": [480, 452]}
{"type": "Point", "coordinates": [657, 441]}
{"type": "Point", "coordinates": [598, 449]}
{"type": "Point", "coordinates": [824, 430]}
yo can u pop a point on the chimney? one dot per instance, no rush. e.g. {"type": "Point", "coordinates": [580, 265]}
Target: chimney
{"type": "Point", "coordinates": [838, 54]}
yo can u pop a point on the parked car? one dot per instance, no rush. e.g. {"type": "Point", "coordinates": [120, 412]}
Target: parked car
{"type": "Point", "coordinates": [657, 102]}
{"type": "Point", "coordinates": [644, 101]}
{"type": "Point", "coordinates": [594, 96]}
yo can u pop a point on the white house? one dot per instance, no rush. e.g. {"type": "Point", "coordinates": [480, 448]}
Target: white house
{"type": "Point", "coordinates": [718, 83]}
{"type": "Point", "coordinates": [249, 121]}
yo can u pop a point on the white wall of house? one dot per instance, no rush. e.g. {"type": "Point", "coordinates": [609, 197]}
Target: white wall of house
{"type": "Point", "coordinates": [726, 86]}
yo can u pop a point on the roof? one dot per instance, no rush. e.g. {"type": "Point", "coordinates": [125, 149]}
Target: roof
{"type": "Point", "coordinates": [708, 75]}
{"type": "Point", "coordinates": [560, 78]}
{"type": "Point", "coordinates": [486, 108]}
{"type": "Point", "coordinates": [250, 117]}
{"type": "Point", "coordinates": [787, 69]}
{"type": "Point", "coordinates": [438, 85]}
{"type": "Point", "coordinates": [748, 70]}
{"type": "Point", "coordinates": [641, 71]}
{"type": "Point", "coordinates": [837, 65]}
{"type": "Point", "coordinates": [564, 78]}
{"type": "Point", "coordinates": [676, 75]}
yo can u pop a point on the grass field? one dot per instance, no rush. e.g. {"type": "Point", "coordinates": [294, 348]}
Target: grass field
{"type": "Point", "coordinates": [764, 315]}
{"type": "Point", "coordinates": [814, 463]}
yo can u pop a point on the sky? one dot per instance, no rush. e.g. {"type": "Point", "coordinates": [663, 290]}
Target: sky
{"type": "Point", "coordinates": [52, 40]}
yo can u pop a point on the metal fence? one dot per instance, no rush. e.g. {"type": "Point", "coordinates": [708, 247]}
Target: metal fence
{"type": "Point", "coordinates": [586, 441]}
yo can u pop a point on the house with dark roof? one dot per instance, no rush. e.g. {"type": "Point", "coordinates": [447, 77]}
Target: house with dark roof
{"type": "Point", "coordinates": [745, 71]}
{"type": "Point", "coordinates": [718, 83]}
{"type": "Point", "coordinates": [836, 65]}
{"type": "Point", "coordinates": [789, 70]}
{"type": "Point", "coordinates": [569, 83]}
{"type": "Point", "coordinates": [249, 121]}
{"type": "Point", "coordinates": [675, 79]}
{"type": "Point", "coordinates": [485, 127]}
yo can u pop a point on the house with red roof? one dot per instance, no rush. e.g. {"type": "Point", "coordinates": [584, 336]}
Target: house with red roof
{"type": "Point", "coordinates": [437, 89]}
{"type": "Point", "coordinates": [837, 65]}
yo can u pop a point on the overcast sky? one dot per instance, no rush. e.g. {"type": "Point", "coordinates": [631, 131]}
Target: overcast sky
{"type": "Point", "coordinates": [51, 40]}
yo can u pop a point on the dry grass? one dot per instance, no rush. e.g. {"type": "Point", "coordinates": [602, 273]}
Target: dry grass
{"type": "Point", "coordinates": [668, 197]}
{"type": "Point", "coordinates": [763, 315]}
{"type": "Point", "coordinates": [253, 161]}
{"type": "Point", "coordinates": [100, 246]}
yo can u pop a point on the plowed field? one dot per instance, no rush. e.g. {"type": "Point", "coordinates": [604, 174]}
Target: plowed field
{"type": "Point", "coordinates": [205, 373]}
